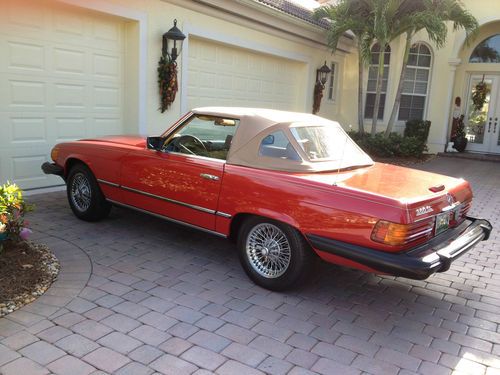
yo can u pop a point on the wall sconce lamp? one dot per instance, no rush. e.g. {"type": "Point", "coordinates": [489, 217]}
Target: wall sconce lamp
{"type": "Point", "coordinates": [167, 66]}
{"type": "Point", "coordinates": [321, 78]}
{"type": "Point", "coordinates": [174, 35]}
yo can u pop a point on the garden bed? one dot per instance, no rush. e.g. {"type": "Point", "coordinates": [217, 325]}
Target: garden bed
{"type": "Point", "coordinates": [27, 271]}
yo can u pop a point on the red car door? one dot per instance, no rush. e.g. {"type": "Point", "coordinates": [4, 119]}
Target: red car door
{"type": "Point", "coordinates": [179, 186]}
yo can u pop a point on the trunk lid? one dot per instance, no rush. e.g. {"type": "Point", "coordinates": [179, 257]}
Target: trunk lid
{"type": "Point", "coordinates": [422, 193]}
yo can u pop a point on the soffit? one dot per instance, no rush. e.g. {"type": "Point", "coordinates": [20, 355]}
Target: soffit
{"type": "Point", "coordinates": [265, 18]}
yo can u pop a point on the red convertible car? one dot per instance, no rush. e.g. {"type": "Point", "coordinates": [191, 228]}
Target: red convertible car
{"type": "Point", "coordinates": [285, 186]}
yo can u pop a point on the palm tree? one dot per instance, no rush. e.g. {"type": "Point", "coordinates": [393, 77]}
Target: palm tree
{"type": "Point", "coordinates": [431, 16]}
{"type": "Point", "coordinates": [385, 13]}
{"type": "Point", "coordinates": [355, 16]}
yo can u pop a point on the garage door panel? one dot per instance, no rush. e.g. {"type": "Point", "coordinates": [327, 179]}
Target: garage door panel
{"type": "Point", "coordinates": [28, 130]}
{"type": "Point", "coordinates": [67, 60]}
{"type": "Point", "coordinates": [107, 66]}
{"type": "Point", "coordinates": [207, 52]}
{"type": "Point", "coordinates": [68, 23]}
{"type": "Point", "coordinates": [24, 167]}
{"type": "Point", "coordinates": [225, 83]}
{"type": "Point", "coordinates": [105, 31]}
{"type": "Point", "coordinates": [22, 55]}
{"type": "Point", "coordinates": [29, 15]}
{"type": "Point", "coordinates": [107, 126]}
{"type": "Point", "coordinates": [70, 96]}
{"type": "Point", "coordinates": [70, 128]}
{"type": "Point", "coordinates": [219, 74]}
{"type": "Point", "coordinates": [61, 79]}
{"type": "Point", "coordinates": [27, 167]}
{"type": "Point", "coordinates": [106, 98]}
{"type": "Point", "coordinates": [26, 93]}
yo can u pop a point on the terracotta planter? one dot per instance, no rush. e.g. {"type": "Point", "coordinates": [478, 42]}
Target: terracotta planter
{"type": "Point", "coordinates": [460, 144]}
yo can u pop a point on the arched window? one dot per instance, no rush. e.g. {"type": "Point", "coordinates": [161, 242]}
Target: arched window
{"type": "Point", "coordinates": [415, 83]}
{"type": "Point", "coordinates": [372, 81]}
{"type": "Point", "coordinates": [488, 51]}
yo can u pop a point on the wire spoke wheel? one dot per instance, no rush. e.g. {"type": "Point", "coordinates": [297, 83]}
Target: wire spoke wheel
{"type": "Point", "coordinates": [268, 250]}
{"type": "Point", "coordinates": [81, 192]}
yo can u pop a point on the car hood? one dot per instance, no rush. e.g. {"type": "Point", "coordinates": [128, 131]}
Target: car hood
{"type": "Point", "coordinates": [126, 140]}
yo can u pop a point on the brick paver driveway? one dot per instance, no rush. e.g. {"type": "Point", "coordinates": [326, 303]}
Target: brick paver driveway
{"type": "Point", "coordinates": [137, 295]}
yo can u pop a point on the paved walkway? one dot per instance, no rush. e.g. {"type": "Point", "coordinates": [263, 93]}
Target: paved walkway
{"type": "Point", "coordinates": [138, 296]}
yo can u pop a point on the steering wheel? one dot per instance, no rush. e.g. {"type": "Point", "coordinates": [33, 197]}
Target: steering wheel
{"type": "Point", "coordinates": [184, 140]}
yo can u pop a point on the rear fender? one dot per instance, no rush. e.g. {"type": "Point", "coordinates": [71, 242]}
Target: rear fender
{"type": "Point", "coordinates": [231, 227]}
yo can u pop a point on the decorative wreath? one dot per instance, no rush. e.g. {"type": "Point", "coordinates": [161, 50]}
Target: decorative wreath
{"type": "Point", "coordinates": [317, 96]}
{"type": "Point", "coordinates": [167, 81]}
{"type": "Point", "coordinates": [479, 95]}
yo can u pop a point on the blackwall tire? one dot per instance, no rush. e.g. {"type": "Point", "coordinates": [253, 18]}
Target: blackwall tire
{"type": "Point", "coordinates": [85, 196]}
{"type": "Point", "coordinates": [273, 254]}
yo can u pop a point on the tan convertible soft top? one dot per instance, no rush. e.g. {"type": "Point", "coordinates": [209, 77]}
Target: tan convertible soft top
{"type": "Point", "coordinates": [257, 123]}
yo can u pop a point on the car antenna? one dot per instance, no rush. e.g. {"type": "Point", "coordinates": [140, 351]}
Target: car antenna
{"type": "Point", "coordinates": [342, 156]}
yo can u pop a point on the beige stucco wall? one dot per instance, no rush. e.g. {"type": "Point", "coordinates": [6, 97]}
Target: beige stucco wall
{"type": "Point", "coordinates": [449, 74]}
{"type": "Point", "coordinates": [453, 70]}
{"type": "Point", "coordinates": [157, 17]}
{"type": "Point", "coordinates": [450, 71]}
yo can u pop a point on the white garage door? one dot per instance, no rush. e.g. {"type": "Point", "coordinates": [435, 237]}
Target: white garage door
{"type": "Point", "coordinates": [61, 78]}
{"type": "Point", "coordinates": [223, 75]}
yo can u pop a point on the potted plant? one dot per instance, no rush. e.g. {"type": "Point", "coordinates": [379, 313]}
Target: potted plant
{"type": "Point", "coordinates": [460, 140]}
{"type": "Point", "coordinates": [12, 210]}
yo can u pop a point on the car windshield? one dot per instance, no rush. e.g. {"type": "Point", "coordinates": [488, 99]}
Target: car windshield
{"type": "Point", "coordinates": [326, 143]}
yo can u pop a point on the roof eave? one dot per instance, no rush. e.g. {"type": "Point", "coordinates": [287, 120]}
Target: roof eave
{"type": "Point", "coordinates": [261, 17]}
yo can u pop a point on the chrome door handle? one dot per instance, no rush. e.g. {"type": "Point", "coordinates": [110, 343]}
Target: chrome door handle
{"type": "Point", "coordinates": [210, 177]}
{"type": "Point", "coordinates": [489, 124]}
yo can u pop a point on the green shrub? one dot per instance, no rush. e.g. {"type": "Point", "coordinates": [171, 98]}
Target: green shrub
{"type": "Point", "coordinates": [417, 128]}
{"type": "Point", "coordinates": [12, 210]}
{"type": "Point", "coordinates": [395, 145]}
{"type": "Point", "coordinates": [412, 146]}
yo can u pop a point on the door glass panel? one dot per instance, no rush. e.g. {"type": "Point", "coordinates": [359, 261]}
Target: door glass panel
{"type": "Point", "coordinates": [477, 116]}
{"type": "Point", "coordinates": [207, 136]}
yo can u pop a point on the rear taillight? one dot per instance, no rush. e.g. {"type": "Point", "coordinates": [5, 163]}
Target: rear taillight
{"type": "Point", "coordinates": [396, 234]}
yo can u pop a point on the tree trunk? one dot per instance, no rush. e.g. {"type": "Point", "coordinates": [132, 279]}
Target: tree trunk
{"type": "Point", "coordinates": [361, 125]}
{"type": "Point", "coordinates": [378, 91]}
{"type": "Point", "coordinates": [399, 92]}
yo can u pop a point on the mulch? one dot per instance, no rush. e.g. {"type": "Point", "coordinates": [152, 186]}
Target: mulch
{"type": "Point", "coordinates": [26, 272]}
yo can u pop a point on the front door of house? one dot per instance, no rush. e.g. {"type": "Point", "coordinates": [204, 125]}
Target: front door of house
{"type": "Point", "coordinates": [483, 114]}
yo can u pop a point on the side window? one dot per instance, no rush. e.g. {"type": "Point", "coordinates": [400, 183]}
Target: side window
{"type": "Point", "coordinates": [203, 136]}
{"type": "Point", "coordinates": [415, 83]}
{"type": "Point", "coordinates": [372, 82]}
{"type": "Point", "coordinates": [277, 145]}
{"type": "Point", "coordinates": [332, 82]}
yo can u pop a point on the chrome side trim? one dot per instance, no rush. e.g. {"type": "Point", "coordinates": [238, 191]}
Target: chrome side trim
{"type": "Point", "coordinates": [167, 218]}
{"type": "Point", "coordinates": [223, 214]}
{"type": "Point", "coordinates": [108, 183]}
{"type": "Point", "coordinates": [198, 208]}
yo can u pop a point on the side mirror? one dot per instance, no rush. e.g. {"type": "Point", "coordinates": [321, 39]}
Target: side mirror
{"type": "Point", "coordinates": [154, 143]}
